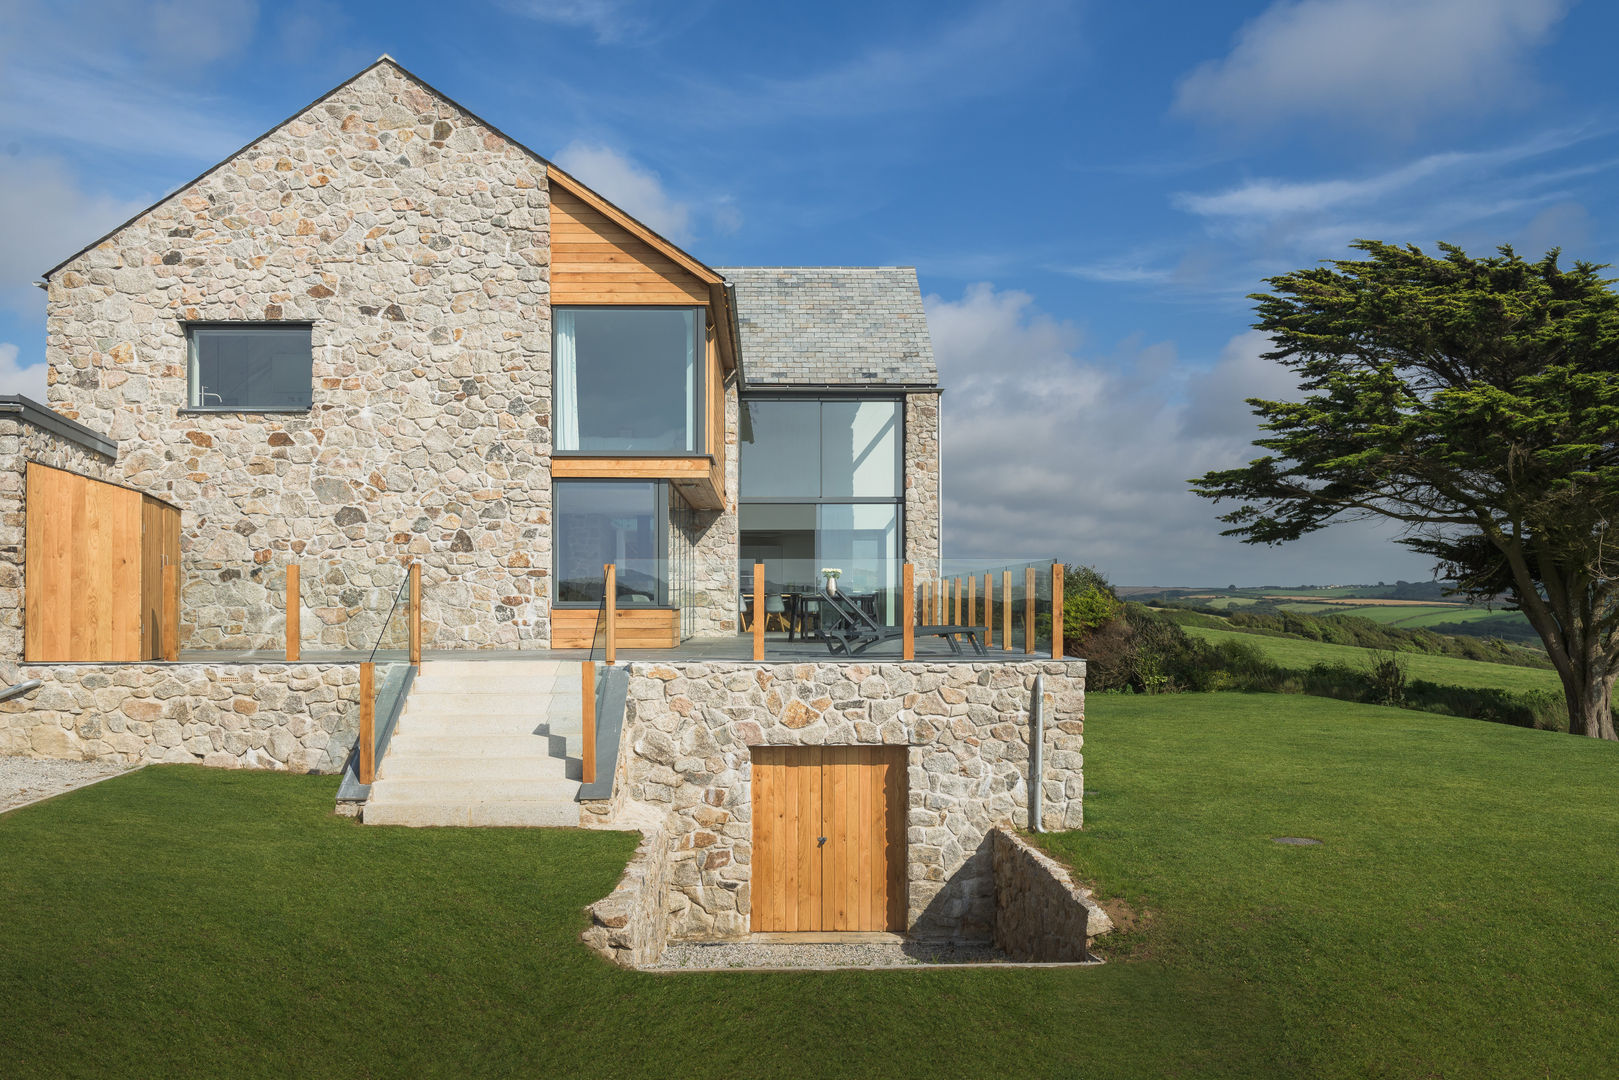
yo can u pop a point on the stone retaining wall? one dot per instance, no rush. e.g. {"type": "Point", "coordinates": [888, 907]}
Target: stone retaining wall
{"type": "Point", "coordinates": [1041, 916]}
{"type": "Point", "coordinates": [297, 717]}
{"type": "Point", "coordinates": [689, 727]}
{"type": "Point", "coordinates": [628, 926]}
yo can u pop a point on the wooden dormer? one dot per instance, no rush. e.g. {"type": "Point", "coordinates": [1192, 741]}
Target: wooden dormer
{"type": "Point", "coordinates": [600, 256]}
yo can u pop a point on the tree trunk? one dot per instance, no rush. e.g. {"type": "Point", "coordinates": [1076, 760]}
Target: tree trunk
{"type": "Point", "coordinates": [1590, 701]}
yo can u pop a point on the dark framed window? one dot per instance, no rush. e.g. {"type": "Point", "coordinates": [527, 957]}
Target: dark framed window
{"type": "Point", "coordinates": [240, 367]}
{"type": "Point", "coordinates": [628, 379]}
{"type": "Point", "coordinates": [828, 448]}
{"type": "Point", "coordinates": [624, 522]}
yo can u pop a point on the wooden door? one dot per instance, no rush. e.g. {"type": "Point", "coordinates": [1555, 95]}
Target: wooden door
{"type": "Point", "coordinates": [82, 568]}
{"type": "Point", "coordinates": [160, 547]}
{"type": "Point", "coordinates": [828, 838]}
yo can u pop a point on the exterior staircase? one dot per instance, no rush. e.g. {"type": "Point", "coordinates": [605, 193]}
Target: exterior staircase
{"type": "Point", "coordinates": [484, 742]}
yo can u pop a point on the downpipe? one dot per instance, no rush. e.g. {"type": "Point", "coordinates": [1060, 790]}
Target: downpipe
{"type": "Point", "coordinates": [1037, 750]}
{"type": "Point", "coordinates": [20, 689]}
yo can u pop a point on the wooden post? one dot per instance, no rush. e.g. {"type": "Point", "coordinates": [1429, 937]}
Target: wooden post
{"type": "Point", "coordinates": [611, 570]}
{"type": "Point", "coordinates": [989, 610]}
{"type": "Point", "coordinates": [909, 618]}
{"type": "Point", "coordinates": [1056, 610]}
{"type": "Point", "coordinates": [972, 601]}
{"type": "Point", "coordinates": [927, 601]}
{"type": "Point", "coordinates": [368, 724]}
{"type": "Point", "coordinates": [1029, 580]}
{"type": "Point", "coordinates": [171, 613]}
{"type": "Point", "coordinates": [758, 611]}
{"type": "Point", "coordinates": [416, 614]}
{"type": "Point", "coordinates": [957, 620]}
{"type": "Point", "coordinates": [294, 611]}
{"type": "Point", "coordinates": [1006, 610]}
{"type": "Point", "coordinates": [587, 699]}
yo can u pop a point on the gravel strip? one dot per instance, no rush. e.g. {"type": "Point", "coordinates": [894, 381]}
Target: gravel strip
{"type": "Point", "coordinates": [25, 780]}
{"type": "Point", "coordinates": [749, 954]}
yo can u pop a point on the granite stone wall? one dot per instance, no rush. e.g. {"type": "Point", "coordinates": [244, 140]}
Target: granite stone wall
{"type": "Point", "coordinates": [416, 242]}
{"type": "Point", "coordinates": [627, 926]}
{"type": "Point", "coordinates": [297, 717]}
{"type": "Point", "coordinates": [690, 726]}
{"type": "Point", "coordinates": [20, 443]}
{"type": "Point", "coordinates": [923, 507]}
{"type": "Point", "coordinates": [712, 538]}
{"type": "Point", "coordinates": [1041, 915]}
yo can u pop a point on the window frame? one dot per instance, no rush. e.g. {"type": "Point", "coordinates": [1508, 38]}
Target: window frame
{"type": "Point", "coordinates": [819, 396]}
{"type": "Point", "coordinates": [193, 374]}
{"type": "Point", "coordinates": [660, 528]}
{"type": "Point", "coordinates": [699, 378]}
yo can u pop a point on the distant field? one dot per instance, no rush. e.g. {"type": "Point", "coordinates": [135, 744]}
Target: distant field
{"type": "Point", "coordinates": [1298, 654]}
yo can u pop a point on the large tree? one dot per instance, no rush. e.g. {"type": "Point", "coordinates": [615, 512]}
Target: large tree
{"type": "Point", "coordinates": [1476, 402]}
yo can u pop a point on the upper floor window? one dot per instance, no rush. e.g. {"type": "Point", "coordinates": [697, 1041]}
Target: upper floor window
{"type": "Point", "coordinates": [833, 448]}
{"type": "Point", "coordinates": [251, 368]}
{"type": "Point", "coordinates": [628, 379]}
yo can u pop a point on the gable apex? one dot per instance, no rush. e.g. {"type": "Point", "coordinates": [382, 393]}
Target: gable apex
{"type": "Point", "coordinates": [563, 179]}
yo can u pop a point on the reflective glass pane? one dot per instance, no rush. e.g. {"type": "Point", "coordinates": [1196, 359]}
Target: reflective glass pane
{"type": "Point", "coordinates": [632, 375]}
{"type": "Point", "coordinates": [251, 367]}
{"type": "Point", "coordinates": [610, 521]}
{"type": "Point", "coordinates": [860, 449]}
{"type": "Point", "coordinates": [862, 541]}
{"type": "Point", "coordinates": [780, 449]}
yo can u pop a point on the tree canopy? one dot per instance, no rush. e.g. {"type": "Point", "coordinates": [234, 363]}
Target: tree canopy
{"type": "Point", "coordinates": [1476, 402]}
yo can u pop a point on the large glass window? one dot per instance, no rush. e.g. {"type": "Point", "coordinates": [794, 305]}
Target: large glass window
{"type": "Point", "coordinates": [597, 522]}
{"type": "Point", "coordinates": [259, 368]}
{"type": "Point", "coordinates": [822, 482]}
{"type": "Point", "coordinates": [627, 379]}
{"type": "Point", "coordinates": [809, 449]}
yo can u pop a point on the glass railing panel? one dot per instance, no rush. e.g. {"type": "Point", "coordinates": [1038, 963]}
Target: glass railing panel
{"type": "Point", "coordinates": [393, 639]}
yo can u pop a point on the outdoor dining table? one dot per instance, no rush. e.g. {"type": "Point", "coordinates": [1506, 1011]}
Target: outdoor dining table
{"type": "Point", "coordinates": [797, 602]}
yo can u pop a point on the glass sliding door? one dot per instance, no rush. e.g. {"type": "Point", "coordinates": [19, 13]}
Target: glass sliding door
{"type": "Point", "coordinates": [611, 521]}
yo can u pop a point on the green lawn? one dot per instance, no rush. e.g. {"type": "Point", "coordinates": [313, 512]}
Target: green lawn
{"type": "Point", "coordinates": [1458, 921]}
{"type": "Point", "coordinates": [1298, 653]}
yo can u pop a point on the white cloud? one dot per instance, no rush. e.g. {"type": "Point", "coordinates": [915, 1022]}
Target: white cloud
{"type": "Point", "coordinates": [638, 190]}
{"type": "Point", "coordinates": [47, 216]}
{"type": "Point", "coordinates": [1053, 450]}
{"type": "Point", "coordinates": [28, 380]}
{"type": "Point", "coordinates": [1387, 64]}
{"type": "Point", "coordinates": [611, 21]}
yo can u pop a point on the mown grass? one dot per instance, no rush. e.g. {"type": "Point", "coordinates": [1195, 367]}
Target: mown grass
{"type": "Point", "coordinates": [1300, 654]}
{"type": "Point", "coordinates": [1458, 919]}
{"type": "Point", "coordinates": [190, 922]}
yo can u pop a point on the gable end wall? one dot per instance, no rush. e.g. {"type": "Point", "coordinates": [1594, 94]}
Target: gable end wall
{"type": "Point", "coordinates": [417, 243]}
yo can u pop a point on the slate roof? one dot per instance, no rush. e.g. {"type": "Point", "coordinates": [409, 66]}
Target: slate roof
{"type": "Point", "coordinates": [844, 325]}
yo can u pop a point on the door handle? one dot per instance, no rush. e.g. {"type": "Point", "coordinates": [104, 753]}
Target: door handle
{"type": "Point", "coordinates": [820, 842]}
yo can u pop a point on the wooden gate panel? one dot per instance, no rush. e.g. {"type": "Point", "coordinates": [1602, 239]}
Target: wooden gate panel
{"type": "Point", "coordinates": [854, 878]}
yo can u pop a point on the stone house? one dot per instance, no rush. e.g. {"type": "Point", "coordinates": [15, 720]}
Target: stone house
{"type": "Point", "coordinates": [386, 334]}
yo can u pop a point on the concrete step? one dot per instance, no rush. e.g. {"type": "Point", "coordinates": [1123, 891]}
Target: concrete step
{"type": "Point", "coordinates": [487, 669]}
{"type": "Point", "coordinates": [501, 813]}
{"type": "Point", "coordinates": [428, 724]}
{"type": "Point", "coordinates": [466, 746]}
{"type": "Point", "coordinates": [495, 788]}
{"type": "Point", "coordinates": [414, 766]}
{"type": "Point", "coordinates": [488, 704]}
{"type": "Point", "coordinates": [493, 684]}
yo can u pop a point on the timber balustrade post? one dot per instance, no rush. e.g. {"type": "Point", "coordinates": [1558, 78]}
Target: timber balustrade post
{"type": "Point", "coordinates": [611, 570]}
{"type": "Point", "coordinates": [957, 620]}
{"type": "Point", "coordinates": [171, 613]}
{"type": "Point", "coordinates": [989, 611]}
{"type": "Point", "coordinates": [368, 723]}
{"type": "Point", "coordinates": [587, 698]}
{"type": "Point", "coordinates": [972, 601]}
{"type": "Point", "coordinates": [908, 618]}
{"type": "Point", "coordinates": [758, 611]}
{"type": "Point", "coordinates": [1006, 610]}
{"type": "Point", "coordinates": [1029, 585]}
{"type": "Point", "coordinates": [416, 614]}
{"type": "Point", "coordinates": [1056, 610]}
{"type": "Point", "coordinates": [294, 611]}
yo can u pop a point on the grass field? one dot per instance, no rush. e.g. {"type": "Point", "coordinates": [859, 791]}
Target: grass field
{"type": "Point", "coordinates": [1457, 921]}
{"type": "Point", "coordinates": [1297, 653]}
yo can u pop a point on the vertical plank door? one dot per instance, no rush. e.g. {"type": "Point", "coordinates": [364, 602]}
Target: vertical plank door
{"type": "Point", "coordinates": [828, 838]}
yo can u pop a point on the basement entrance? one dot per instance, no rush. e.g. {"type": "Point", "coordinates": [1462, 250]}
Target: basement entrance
{"type": "Point", "coordinates": [828, 838]}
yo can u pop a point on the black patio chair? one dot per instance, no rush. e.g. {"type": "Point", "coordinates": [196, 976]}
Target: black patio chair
{"type": "Point", "coordinates": [854, 631]}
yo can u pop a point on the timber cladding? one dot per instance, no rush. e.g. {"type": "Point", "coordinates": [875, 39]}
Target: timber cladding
{"type": "Point", "coordinates": [828, 838]}
{"type": "Point", "coordinates": [638, 628]}
{"type": "Point", "coordinates": [93, 569]}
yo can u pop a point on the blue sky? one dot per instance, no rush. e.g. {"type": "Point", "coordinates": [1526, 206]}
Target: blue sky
{"type": "Point", "coordinates": [1088, 190]}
